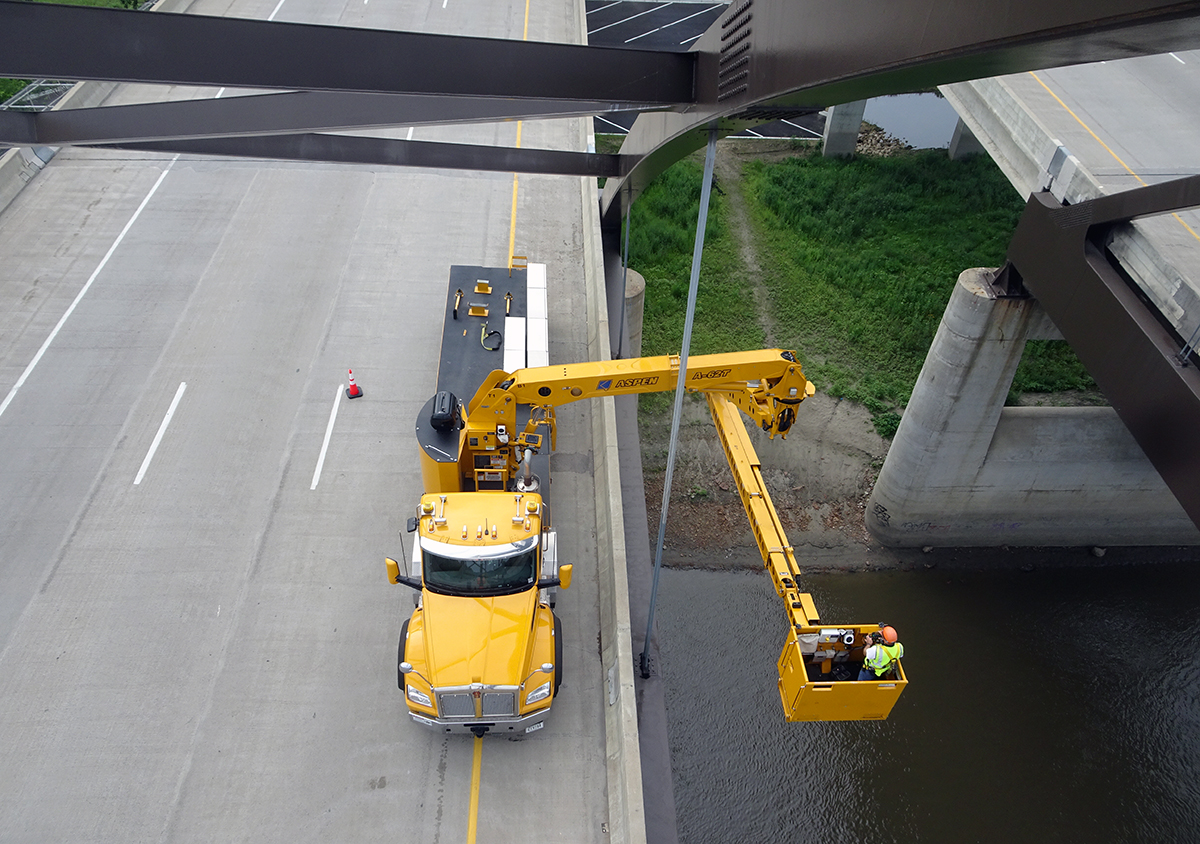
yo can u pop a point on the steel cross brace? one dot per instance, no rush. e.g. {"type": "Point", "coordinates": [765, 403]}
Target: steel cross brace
{"type": "Point", "coordinates": [1058, 252]}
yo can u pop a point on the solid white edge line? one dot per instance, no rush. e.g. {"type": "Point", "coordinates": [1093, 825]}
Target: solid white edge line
{"type": "Point", "coordinates": [337, 400]}
{"type": "Point", "coordinates": [277, 8]}
{"type": "Point", "coordinates": [162, 429]}
{"type": "Point", "coordinates": [62, 320]}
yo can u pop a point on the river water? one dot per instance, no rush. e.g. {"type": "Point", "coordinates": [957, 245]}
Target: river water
{"type": "Point", "coordinates": [923, 121]}
{"type": "Point", "coordinates": [1055, 705]}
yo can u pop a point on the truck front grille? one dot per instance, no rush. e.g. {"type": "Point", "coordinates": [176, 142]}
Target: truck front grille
{"type": "Point", "coordinates": [498, 703]}
{"type": "Point", "coordinates": [459, 705]}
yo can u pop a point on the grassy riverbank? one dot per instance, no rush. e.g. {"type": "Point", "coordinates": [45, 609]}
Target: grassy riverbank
{"type": "Point", "coordinates": [849, 262]}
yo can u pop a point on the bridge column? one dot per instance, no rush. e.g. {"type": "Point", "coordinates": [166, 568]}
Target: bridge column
{"type": "Point", "coordinates": [963, 142]}
{"type": "Point", "coordinates": [963, 470]}
{"type": "Point", "coordinates": [842, 125]}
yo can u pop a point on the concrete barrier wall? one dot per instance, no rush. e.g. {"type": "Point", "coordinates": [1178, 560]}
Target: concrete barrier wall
{"type": "Point", "coordinates": [626, 806]}
{"type": "Point", "coordinates": [964, 470]}
{"type": "Point", "coordinates": [627, 817]}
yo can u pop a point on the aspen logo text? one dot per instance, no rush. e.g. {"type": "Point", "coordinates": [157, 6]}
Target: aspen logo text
{"type": "Point", "coordinates": [625, 383]}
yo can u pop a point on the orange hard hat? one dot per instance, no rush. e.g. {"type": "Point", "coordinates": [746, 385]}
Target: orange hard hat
{"type": "Point", "coordinates": [889, 635]}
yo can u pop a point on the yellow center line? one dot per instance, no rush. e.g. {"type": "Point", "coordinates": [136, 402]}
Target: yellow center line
{"type": "Point", "coordinates": [512, 229]}
{"type": "Point", "coordinates": [476, 769]}
{"type": "Point", "coordinates": [1118, 159]}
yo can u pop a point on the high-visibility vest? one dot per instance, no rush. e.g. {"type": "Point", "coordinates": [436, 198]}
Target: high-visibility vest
{"type": "Point", "coordinates": [883, 658]}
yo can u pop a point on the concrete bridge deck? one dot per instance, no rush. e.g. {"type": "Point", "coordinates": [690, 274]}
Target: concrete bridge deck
{"type": "Point", "coordinates": [196, 633]}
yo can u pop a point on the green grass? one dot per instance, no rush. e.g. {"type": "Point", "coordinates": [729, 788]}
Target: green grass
{"type": "Point", "coordinates": [610, 144]}
{"type": "Point", "coordinates": [662, 237]}
{"type": "Point", "coordinates": [11, 87]}
{"type": "Point", "coordinates": [859, 258]}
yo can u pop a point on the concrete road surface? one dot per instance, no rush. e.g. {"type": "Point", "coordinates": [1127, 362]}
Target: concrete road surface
{"type": "Point", "coordinates": [1130, 123]}
{"type": "Point", "coordinates": [197, 640]}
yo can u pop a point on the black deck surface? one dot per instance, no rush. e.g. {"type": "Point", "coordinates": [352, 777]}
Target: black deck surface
{"type": "Point", "coordinates": [465, 361]}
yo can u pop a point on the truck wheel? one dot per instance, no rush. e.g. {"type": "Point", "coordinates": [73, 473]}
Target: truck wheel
{"type": "Point", "coordinates": [400, 656]}
{"type": "Point", "coordinates": [558, 658]}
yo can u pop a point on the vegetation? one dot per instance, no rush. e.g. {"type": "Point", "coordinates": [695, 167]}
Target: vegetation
{"type": "Point", "coordinates": [662, 238]}
{"type": "Point", "coordinates": [859, 258]}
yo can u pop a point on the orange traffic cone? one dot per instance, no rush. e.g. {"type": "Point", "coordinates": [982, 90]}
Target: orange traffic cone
{"type": "Point", "coordinates": [353, 391]}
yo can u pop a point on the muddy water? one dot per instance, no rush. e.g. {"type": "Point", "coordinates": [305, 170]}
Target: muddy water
{"type": "Point", "coordinates": [1053, 705]}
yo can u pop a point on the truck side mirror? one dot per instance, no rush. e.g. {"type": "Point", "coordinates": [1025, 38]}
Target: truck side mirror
{"type": "Point", "coordinates": [563, 579]}
{"type": "Point", "coordinates": [412, 523]}
{"type": "Point", "coordinates": [394, 576]}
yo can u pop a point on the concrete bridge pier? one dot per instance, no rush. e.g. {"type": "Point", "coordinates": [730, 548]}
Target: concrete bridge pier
{"type": "Point", "coordinates": [842, 126]}
{"type": "Point", "coordinates": [964, 470]}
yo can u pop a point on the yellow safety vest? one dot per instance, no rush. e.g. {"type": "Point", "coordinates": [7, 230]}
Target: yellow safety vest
{"type": "Point", "coordinates": [884, 657]}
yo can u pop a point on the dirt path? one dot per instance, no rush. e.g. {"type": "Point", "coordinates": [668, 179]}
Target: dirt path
{"type": "Point", "coordinates": [727, 169]}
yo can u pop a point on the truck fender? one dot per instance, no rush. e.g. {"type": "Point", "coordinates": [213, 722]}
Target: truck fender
{"type": "Point", "coordinates": [558, 655]}
{"type": "Point", "coordinates": [400, 655]}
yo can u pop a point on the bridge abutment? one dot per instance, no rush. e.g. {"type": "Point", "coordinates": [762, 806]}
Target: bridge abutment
{"type": "Point", "coordinates": [964, 470]}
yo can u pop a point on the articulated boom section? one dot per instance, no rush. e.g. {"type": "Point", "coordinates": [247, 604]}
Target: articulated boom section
{"type": "Point", "coordinates": [766, 385]}
{"type": "Point", "coordinates": [815, 679]}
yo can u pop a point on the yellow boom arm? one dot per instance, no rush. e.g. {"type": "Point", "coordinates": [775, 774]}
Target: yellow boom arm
{"type": "Point", "coordinates": [811, 650]}
{"type": "Point", "coordinates": [766, 385]}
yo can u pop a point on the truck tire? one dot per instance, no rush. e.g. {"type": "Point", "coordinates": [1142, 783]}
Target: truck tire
{"type": "Point", "coordinates": [400, 655]}
{"type": "Point", "coordinates": [558, 655]}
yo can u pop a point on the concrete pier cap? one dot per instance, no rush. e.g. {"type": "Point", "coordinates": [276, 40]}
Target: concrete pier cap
{"type": "Point", "coordinates": [964, 470]}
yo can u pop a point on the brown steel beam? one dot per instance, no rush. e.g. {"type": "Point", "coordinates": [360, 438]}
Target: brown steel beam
{"type": "Point", "coordinates": [44, 40]}
{"type": "Point", "coordinates": [1134, 356]}
{"type": "Point", "coordinates": [351, 149]}
{"type": "Point", "coordinates": [268, 114]}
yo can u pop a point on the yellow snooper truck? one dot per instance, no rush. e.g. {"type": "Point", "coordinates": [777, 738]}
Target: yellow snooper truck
{"type": "Point", "coordinates": [482, 651]}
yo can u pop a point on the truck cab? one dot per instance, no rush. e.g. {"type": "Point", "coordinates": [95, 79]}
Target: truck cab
{"type": "Point", "coordinates": [482, 652]}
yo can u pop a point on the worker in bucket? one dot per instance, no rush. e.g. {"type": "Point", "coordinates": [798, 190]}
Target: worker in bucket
{"type": "Point", "coordinates": [881, 656]}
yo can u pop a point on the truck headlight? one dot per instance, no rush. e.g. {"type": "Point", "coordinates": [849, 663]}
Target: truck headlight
{"type": "Point", "coordinates": [540, 693]}
{"type": "Point", "coordinates": [418, 696]}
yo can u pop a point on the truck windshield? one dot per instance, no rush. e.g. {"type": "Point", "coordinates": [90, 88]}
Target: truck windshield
{"type": "Point", "coordinates": [456, 570]}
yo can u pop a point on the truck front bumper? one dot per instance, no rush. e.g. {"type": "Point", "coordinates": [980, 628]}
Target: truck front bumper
{"type": "Point", "coordinates": [511, 727]}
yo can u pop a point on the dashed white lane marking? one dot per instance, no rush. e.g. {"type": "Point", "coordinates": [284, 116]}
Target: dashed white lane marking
{"type": "Point", "coordinates": [62, 320]}
{"type": "Point", "coordinates": [337, 400]}
{"type": "Point", "coordinates": [162, 429]}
